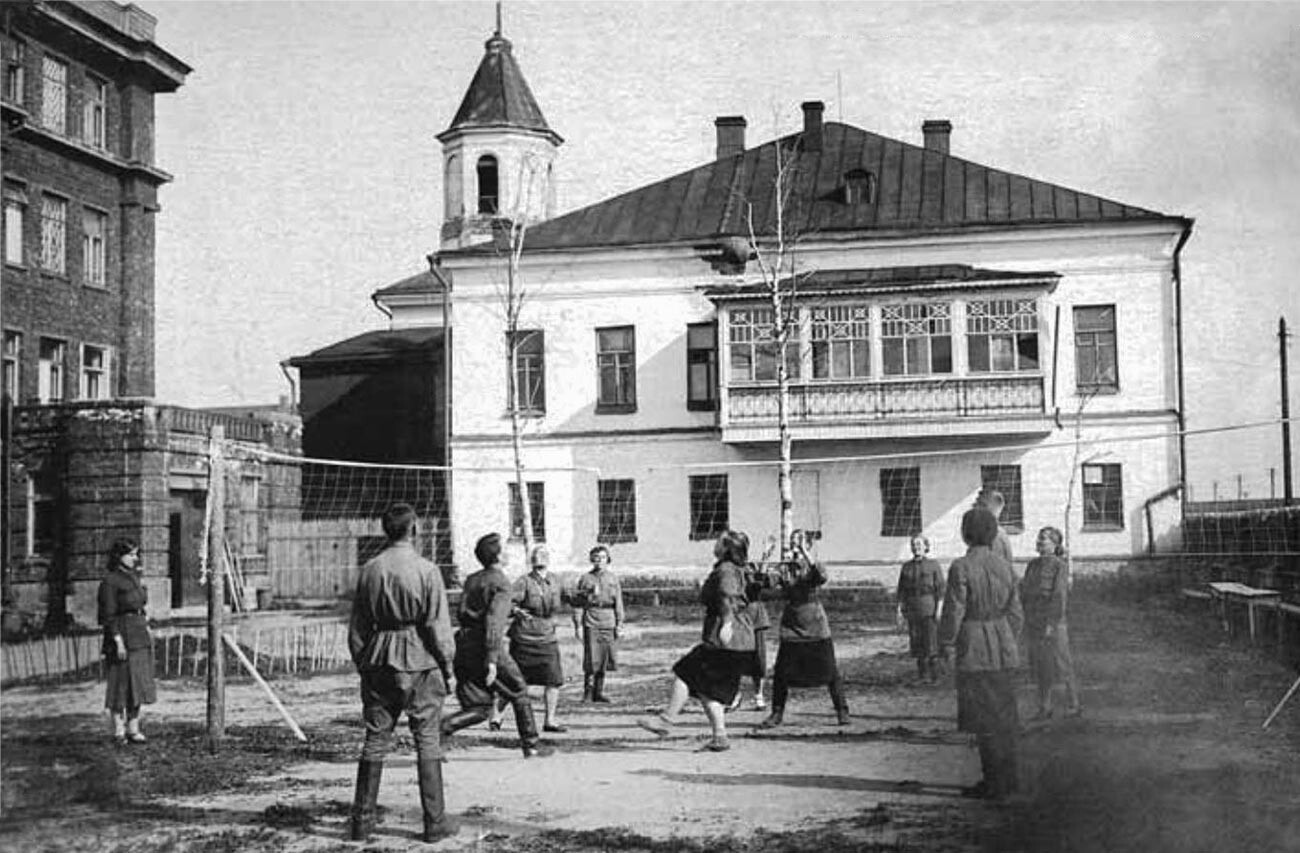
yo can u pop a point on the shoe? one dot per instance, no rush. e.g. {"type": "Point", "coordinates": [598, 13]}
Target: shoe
{"type": "Point", "coordinates": [842, 716]}
{"type": "Point", "coordinates": [735, 703]}
{"type": "Point", "coordinates": [538, 750]}
{"type": "Point", "coordinates": [601, 698]}
{"type": "Point", "coordinates": [119, 740]}
{"type": "Point", "coordinates": [136, 737]}
{"type": "Point", "coordinates": [658, 724]}
{"type": "Point", "coordinates": [494, 725]}
{"type": "Point", "coordinates": [760, 704]}
{"type": "Point", "coordinates": [437, 832]}
{"type": "Point", "coordinates": [771, 722]}
{"type": "Point", "coordinates": [555, 729]}
{"type": "Point", "coordinates": [717, 744]}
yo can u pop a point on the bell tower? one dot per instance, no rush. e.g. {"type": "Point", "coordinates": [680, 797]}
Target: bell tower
{"type": "Point", "coordinates": [498, 155]}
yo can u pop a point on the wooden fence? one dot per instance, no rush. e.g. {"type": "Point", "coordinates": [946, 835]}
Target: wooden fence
{"type": "Point", "coordinates": [302, 648]}
{"type": "Point", "coordinates": [320, 558]}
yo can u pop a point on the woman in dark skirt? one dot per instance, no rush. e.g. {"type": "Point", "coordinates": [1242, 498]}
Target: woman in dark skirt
{"type": "Point", "coordinates": [711, 671]}
{"type": "Point", "coordinates": [128, 647]}
{"type": "Point", "coordinates": [805, 656]}
{"type": "Point", "coordinates": [533, 644]}
{"type": "Point", "coordinates": [920, 589]}
{"type": "Point", "coordinates": [982, 617]}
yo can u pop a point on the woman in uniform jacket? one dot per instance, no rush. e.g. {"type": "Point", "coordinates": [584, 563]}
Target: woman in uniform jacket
{"type": "Point", "coordinates": [982, 619]}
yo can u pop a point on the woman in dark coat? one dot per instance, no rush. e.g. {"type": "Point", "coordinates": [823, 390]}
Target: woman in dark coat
{"type": "Point", "coordinates": [805, 656]}
{"type": "Point", "coordinates": [920, 589]}
{"type": "Point", "coordinates": [982, 618]}
{"type": "Point", "coordinates": [1045, 590]}
{"type": "Point", "coordinates": [711, 671]}
{"type": "Point", "coordinates": [128, 647]}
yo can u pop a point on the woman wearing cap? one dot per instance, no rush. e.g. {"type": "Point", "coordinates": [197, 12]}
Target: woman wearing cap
{"type": "Point", "coordinates": [128, 647]}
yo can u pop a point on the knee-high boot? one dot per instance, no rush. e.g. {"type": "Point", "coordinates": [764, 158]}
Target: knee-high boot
{"type": "Point", "coordinates": [586, 687]}
{"type": "Point", "coordinates": [841, 704]}
{"type": "Point", "coordinates": [598, 688]}
{"type": "Point", "coordinates": [365, 800]}
{"type": "Point", "coordinates": [526, 725]}
{"type": "Point", "coordinates": [433, 804]}
{"type": "Point", "coordinates": [453, 723]}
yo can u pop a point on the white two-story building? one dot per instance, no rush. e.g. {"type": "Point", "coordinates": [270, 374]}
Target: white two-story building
{"type": "Point", "coordinates": [959, 327]}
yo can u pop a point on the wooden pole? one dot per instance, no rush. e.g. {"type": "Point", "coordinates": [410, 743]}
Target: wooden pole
{"type": "Point", "coordinates": [216, 590]}
{"type": "Point", "coordinates": [1294, 687]}
{"type": "Point", "coordinates": [1287, 495]}
{"type": "Point", "coordinates": [266, 688]}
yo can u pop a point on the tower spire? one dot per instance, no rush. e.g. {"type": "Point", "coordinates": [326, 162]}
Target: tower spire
{"type": "Point", "coordinates": [498, 32]}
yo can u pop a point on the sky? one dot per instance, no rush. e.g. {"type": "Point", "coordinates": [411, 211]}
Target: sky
{"type": "Point", "coordinates": [308, 175]}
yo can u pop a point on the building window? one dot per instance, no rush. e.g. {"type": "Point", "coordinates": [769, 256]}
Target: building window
{"type": "Point", "coordinates": [529, 352]}
{"type": "Point", "coordinates": [13, 351]}
{"type": "Point", "coordinates": [1096, 367]}
{"type": "Point", "coordinates": [1006, 480]}
{"type": "Point", "coordinates": [916, 338]}
{"type": "Point", "coordinates": [15, 91]}
{"type": "Point", "coordinates": [49, 370]}
{"type": "Point", "coordinates": [94, 373]}
{"type": "Point", "coordinates": [1103, 497]}
{"type": "Point", "coordinates": [54, 234]}
{"type": "Point", "coordinates": [94, 225]}
{"type": "Point", "coordinates": [488, 200]}
{"type": "Point", "coordinates": [1002, 335]}
{"type": "Point", "coordinates": [753, 349]}
{"type": "Point", "coordinates": [536, 508]}
{"type": "Point", "coordinates": [54, 94]}
{"type": "Point", "coordinates": [859, 187]}
{"type": "Point", "coordinates": [453, 204]}
{"type": "Point", "coordinates": [900, 501]}
{"type": "Point", "coordinates": [15, 206]}
{"type": "Point", "coordinates": [616, 510]}
{"type": "Point", "coordinates": [616, 369]}
{"type": "Point", "coordinates": [710, 506]}
{"type": "Point", "coordinates": [841, 342]}
{"type": "Point", "coordinates": [42, 514]}
{"type": "Point", "coordinates": [252, 535]}
{"type": "Point", "coordinates": [702, 367]}
{"type": "Point", "coordinates": [93, 113]}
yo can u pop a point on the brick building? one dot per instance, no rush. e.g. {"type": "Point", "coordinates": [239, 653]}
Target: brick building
{"type": "Point", "coordinates": [88, 455]}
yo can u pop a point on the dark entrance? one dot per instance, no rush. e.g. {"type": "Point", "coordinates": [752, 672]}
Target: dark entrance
{"type": "Point", "coordinates": [184, 544]}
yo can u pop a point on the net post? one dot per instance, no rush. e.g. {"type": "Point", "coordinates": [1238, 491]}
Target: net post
{"type": "Point", "coordinates": [216, 589]}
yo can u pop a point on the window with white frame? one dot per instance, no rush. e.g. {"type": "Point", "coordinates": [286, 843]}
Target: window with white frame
{"type": "Point", "coordinates": [54, 234]}
{"type": "Point", "coordinates": [702, 367]}
{"type": "Point", "coordinates": [616, 511]}
{"type": "Point", "coordinates": [616, 369]}
{"type": "Point", "coordinates": [13, 351]}
{"type": "Point", "coordinates": [710, 506]}
{"type": "Point", "coordinates": [15, 218]}
{"type": "Point", "coordinates": [94, 112]}
{"type": "Point", "coordinates": [49, 370]}
{"type": "Point", "coordinates": [528, 348]}
{"type": "Point", "coordinates": [15, 84]}
{"type": "Point", "coordinates": [536, 510]}
{"type": "Point", "coordinates": [900, 501]}
{"type": "Point", "coordinates": [841, 341]}
{"type": "Point", "coordinates": [753, 349]}
{"type": "Point", "coordinates": [94, 243]}
{"type": "Point", "coordinates": [1096, 359]}
{"type": "Point", "coordinates": [94, 373]}
{"type": "Point", "coordinates": [916, 338]}
{"type": "Point", "coordinates": [1103, 497]}
{"type": "Point", "coordinates": [1002, 335]}
{"type": "Point", "coordinates": [54, 94]}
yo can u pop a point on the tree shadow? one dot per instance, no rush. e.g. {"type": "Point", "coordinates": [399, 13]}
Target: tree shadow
{"type": "Point", "coordinates": [811, 780]}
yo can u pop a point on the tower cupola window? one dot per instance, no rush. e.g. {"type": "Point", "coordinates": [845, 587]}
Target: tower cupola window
{"type": "Point", "coordinates": [488, 185]}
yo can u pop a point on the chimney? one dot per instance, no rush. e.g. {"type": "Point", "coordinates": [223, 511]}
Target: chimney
{"type": "Point", "coordinates": [731, 135]}
{"type": "Point", "coordinates": [812, 125]}
{"type": "Point", "coordinates": [936, 133]}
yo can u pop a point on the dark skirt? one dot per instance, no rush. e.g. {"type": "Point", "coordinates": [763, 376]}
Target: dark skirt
{"type": "Point", "coordinates": [923, 636]}
{"type": "Point", "coordinates": [808, 663]}
{"type": "Point", "coordinates": [758, 658]}
{"type": "Point", "coordinates": [598, 650]}
{"type": "Point", "coordinates": [713, 674]}
{"type": "Point", "coordinates": [130, 682]}
{"type": "Point", "coordinates": [539, 662]}
{"type": "Point", "coordinates": [986, 703]}
{"type": "Point", "coordinates": [1050, 659]}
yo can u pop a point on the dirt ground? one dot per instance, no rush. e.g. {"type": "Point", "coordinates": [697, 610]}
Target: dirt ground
{"type": "Point", "coordinates": [1169, 756]}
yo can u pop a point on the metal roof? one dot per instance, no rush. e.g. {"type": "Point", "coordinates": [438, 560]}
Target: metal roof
{"type": "Point", "coordinates": [422, 282]}
{"type": "Point", "coordinates": [383, 345]}
{"type": "Point", "coordinates": [498, 96]}
{"type": "Point", "coordinates": [891, 279]}
{"type": "Point", "coordinates": [911, 189]}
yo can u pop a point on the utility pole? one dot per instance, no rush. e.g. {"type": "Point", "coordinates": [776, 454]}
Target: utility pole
{"type": "Point", "coordinates": [216, 589]}
{"type": "Point", "coordinates": [1282, 335]}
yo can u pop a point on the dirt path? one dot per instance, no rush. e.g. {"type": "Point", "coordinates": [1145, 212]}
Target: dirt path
{"type": "Point", "coordinates": [1169, 757]}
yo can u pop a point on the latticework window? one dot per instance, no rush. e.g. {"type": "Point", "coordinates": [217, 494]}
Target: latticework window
{"type": "Point", "coordinates": [1002, 335]}
{"type": "Point", "coordinates": [916, 338]}
{"type": "Point", "coordinates": [841, 341]}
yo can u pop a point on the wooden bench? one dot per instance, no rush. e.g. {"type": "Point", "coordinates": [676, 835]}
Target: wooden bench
{"type": "Point", "coordinates": [1226, 592]}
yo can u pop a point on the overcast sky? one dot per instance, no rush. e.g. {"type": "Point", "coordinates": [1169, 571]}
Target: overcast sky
{"type": "Point", "coordinates": [307, 174]}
